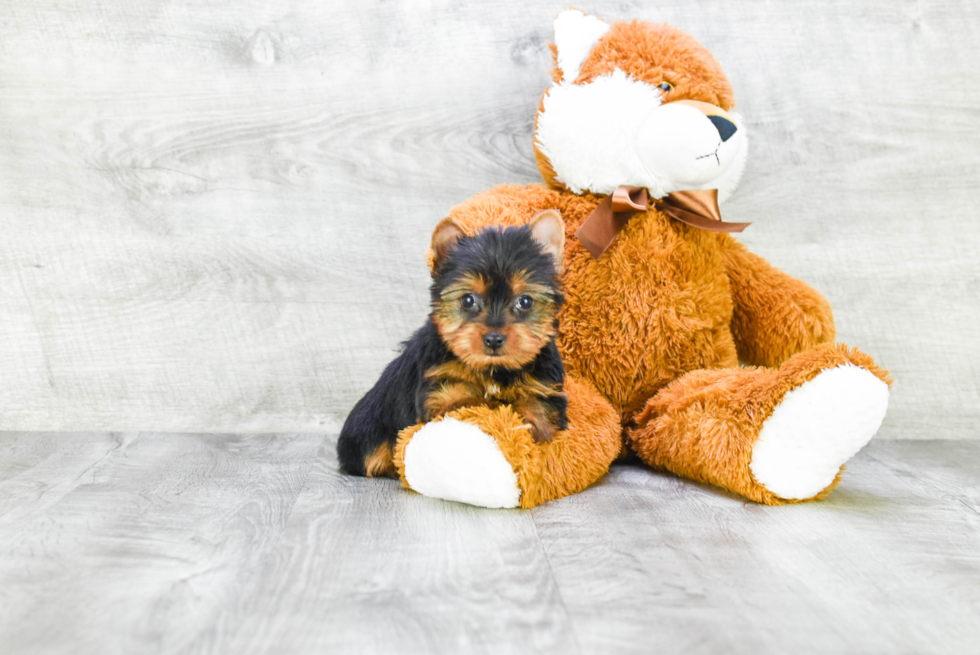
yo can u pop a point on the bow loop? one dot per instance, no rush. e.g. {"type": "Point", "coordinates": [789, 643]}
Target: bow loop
{"type": "Point", "coordinates": [629, 199]}
{"type": "Point", "coordinates": [698, 208]}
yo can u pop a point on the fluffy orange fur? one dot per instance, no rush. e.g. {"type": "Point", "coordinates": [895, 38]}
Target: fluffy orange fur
{"type": "Point", "coordinates": [658, 303]}
{"type": "Point", "coordinates": [659, 323]}
{"type": "Point", "coordinates": [659, 52]}
{"type": "Point", "coordinates": [703, 425]}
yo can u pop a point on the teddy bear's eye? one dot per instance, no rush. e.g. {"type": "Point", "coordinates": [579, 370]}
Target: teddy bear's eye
{"type": "Point", "coordinates": [666, 87]}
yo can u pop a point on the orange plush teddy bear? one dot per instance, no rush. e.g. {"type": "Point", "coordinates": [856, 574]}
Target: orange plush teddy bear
{"type": "Point", "coordinates": [636, 140]}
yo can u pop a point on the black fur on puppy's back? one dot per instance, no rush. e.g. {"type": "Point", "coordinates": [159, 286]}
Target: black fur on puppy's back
{"type": "Point", "coordinates": [391, 404]}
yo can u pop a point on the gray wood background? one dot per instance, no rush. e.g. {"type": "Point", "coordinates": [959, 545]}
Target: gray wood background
{"type": "Point", "coordinates": [213, 215]}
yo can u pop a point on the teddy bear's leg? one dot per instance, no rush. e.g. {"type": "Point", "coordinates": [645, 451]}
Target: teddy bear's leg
{"type": "Point", "coordinates": [771, 435]}
{"type": "Point", "coordinates": [487, 457]}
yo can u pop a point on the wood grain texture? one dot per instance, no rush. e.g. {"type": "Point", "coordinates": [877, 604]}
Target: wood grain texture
{"type": "Point", "coordinates": [379, 569]}
{"type": "Point", "coordinates": [190, 543]}
{"type": "Point", "coordinates": [130, 543]}
{"type": "Point", "coordinates": [214, 216]}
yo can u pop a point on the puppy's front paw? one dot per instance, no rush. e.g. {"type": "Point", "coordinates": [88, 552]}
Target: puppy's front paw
{"type": "Point", "coordinates": [541, 431]}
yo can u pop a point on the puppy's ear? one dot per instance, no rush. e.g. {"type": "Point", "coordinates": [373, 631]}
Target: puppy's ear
{"type": "Point", "coordinates": [548, 229]}
{"type": "Point", "coordinates": [444, 239]}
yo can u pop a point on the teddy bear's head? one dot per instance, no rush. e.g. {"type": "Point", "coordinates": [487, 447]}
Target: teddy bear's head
{"type": "Point", "coordinates": [637, 104]}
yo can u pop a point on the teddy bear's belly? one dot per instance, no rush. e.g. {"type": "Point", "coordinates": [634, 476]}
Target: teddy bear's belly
{"type": "Point", "coordinates": [655, 306]}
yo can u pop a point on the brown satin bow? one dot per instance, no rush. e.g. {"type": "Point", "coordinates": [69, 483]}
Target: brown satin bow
{"type": "Point", "coordinates": [695, 208]}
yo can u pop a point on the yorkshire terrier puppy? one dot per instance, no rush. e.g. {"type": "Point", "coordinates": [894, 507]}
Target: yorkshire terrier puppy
{"type": "Point", "coordinates": [489, 340]}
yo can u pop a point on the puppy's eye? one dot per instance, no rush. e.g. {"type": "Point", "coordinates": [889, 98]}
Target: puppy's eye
{"type": "Point", "coordinates": [468, 301]}
{"type": "Point", "coordinates": [524, 302]}
{"type": "Point", "coordinates": [666, 87]}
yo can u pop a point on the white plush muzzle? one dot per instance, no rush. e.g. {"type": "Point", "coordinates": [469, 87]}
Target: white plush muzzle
{"type": "Point", "coordinates": [616, 130]}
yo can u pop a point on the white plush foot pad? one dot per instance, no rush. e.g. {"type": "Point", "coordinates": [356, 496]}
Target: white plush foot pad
{"type": "Point", "coordinates": [453, 460]}
{"type": "Point", "coordinates": [815, 429]}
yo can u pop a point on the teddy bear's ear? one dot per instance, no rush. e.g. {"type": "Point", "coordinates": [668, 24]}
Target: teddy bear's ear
{"type": "Point", "coordinates": [444, 239]}
{"type": "Point", "coordinates": [575, 35]}
{"type": "Point", "coordinates": [548, 229]}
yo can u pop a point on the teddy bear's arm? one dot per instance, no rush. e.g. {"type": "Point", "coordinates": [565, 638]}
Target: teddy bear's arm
{"type": "Point", "coordinates": [775, 315]}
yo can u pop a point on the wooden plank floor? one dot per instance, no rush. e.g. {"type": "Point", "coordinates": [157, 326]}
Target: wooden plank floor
{"type": "Point", "coordinates": [189, 543]}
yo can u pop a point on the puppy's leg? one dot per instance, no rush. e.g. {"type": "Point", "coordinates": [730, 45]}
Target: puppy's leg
{"type": "Point", "coordinates": [546, 415]}
{"type": "Point", "coordinates": [381, 463]}
{"type": "Point", "coordinates": [366, 441]}
{"type": "Point", "coordinates": [356, 458]}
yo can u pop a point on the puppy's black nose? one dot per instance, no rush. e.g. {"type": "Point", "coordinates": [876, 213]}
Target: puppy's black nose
{"type": "Point", "coordinates": [725, 127]}
{"type": "Point", "coordinates": [493, 340]}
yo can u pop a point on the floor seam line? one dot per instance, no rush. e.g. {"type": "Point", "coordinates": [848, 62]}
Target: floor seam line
{"type": "Point", "coordinates": [554, 579]}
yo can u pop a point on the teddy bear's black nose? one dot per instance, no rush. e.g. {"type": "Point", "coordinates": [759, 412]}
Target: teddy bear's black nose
{"type": "Point", "coordinates": [725, 127]}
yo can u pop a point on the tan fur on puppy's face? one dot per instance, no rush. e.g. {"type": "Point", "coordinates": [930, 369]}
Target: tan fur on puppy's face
{"type": "Point", "coordinates": [525, 332]}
